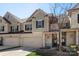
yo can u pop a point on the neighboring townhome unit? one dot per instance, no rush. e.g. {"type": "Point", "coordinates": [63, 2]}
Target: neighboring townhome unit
{"type": "Point", "coordinates": [15, 22]}
{"type": "Point", "coordinates": [70, 34]}
{"type": "Point", "coordinates": [4, 25]}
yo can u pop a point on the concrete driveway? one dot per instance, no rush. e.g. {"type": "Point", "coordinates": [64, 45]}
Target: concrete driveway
{"type": "Point", "coordinates": [22, 51]}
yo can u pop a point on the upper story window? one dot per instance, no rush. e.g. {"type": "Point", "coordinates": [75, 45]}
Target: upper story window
{"type": "Point", "coordinates": [66, 25]}
{"type": "Point", "coordinates": [78, 18]}
{"type": "Point", "coordinates": [2, 28]}
{"type": "Point", "coordinates": [28, 27]}
{"type": "Point", "coordinates": [40, 24]}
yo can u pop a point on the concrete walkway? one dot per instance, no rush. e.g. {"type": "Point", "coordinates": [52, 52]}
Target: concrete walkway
{"type": "Point", "coordinates": [4, 47]}
{"type": "Point", "coordinates": [16, 52]}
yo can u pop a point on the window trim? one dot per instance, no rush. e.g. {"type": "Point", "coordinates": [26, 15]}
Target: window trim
{"type": "Point", "coordinates": [39, 23]}
{"type": "Point", "coordinates": [28, 27]}
{"type": "Point", "coordinates": [14, 28]}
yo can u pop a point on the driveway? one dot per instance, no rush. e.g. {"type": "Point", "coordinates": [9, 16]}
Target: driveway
{"type": "Point", "coordinates": [16, 52]}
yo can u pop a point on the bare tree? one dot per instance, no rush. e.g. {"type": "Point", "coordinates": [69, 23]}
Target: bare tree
{"type": "Point", "coordinates": [59, 10]}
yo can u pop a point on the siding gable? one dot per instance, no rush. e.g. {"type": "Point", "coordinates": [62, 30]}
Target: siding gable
{"type": "Point", "coordinates": [2, 20]}
{"type": "Point", "coordinates": [37, 13]}
{"type": "Point", "coordinates": [11, 18]}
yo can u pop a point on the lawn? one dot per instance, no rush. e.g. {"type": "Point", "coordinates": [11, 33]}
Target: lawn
{"type": "Point", "coordinates": [34, 53]}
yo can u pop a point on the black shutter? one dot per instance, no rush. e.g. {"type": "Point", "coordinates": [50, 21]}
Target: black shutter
{"type": "Point", "coordinates": [11, 29]}
{"type": "Point", "coordinates": [25, 27]}
{"type": "Point", "coordinates": [2, 28]}
{"type": "Point", "coordinates": [78, 18]}
{"type": "Point", "coordinates": [43, 23]}
{"type": "Point", "coordinates": [17, 28]}
{"type": "Point", "coordinates": [36, 24]}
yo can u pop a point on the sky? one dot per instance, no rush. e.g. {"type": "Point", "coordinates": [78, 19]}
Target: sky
{"type": "Point", "coordinates": [23, 10]}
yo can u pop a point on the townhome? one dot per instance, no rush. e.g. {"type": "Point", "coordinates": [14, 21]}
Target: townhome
{"type": "Point", "coordinates": [41, 29]}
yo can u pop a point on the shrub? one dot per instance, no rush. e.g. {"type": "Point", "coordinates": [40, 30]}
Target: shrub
{"type": "Point", "coordinates": [73, 48]}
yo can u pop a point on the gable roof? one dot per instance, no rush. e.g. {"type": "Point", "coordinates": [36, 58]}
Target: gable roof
{"type": "Point", "coordinates": [29, 19]}
{"type": "Point", "coordinates": [76, 6]}
{"type": "Point", "coordinates": [5, 19]}
{"type": "Point", "coordinates": [11, 15]}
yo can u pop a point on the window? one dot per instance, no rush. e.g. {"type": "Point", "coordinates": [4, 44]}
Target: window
{"type": "Point", "coordinates": [67, 25]}
{"type": "Point", "coordinates": [28, 27]}
{"type": "Point", "coordinates": [78, 18]}
{"type": "Point", "coordinates": [2, 28]}
{"type": "Point", "coordinates": [14, 28]}
{"type": "Point", "coordinates": [40, 24]}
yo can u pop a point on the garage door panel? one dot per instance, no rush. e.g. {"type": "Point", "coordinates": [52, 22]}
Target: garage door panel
{"type": "Point", "coordinates": [32, 42]}
{"type": "Point", "coordinates": [11, 41]}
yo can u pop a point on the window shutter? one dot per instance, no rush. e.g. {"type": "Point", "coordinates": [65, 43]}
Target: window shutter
{"type": "Point", "coordinates": [25, 27]}
{"type": "Point", "coordinates": [78, 18]}
{"type": "Point", "coordinates": [17, 28]}
{"type": "Point", "coordinates": [43, 23]}
{"type": "Point", "coordinates": [11, 29]}
{"type": "Point", "coordinates": [36, 24]}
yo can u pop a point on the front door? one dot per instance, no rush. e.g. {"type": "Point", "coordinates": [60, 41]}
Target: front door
{"type": "Point", "coordinates": [54, 40]}
{"type": "Point", "coordinates": [1, 41]}
{"type": "Point", "coordinates": [63, 38]}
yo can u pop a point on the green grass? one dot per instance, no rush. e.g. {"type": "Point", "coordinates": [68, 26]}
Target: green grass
{"type": "Point", "coordinates": [34, 53]}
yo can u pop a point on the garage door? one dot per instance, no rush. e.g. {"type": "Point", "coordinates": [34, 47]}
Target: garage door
{"type": "Point", "coordinates": [11, 41]}
{"type": "Point", "coordinates": [32, 42]}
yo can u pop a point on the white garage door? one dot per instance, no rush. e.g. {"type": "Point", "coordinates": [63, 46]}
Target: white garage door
{"type": "Point", "coordinates": [32, 42]}
{"type": "Point", "coordinates": [11, 41]}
